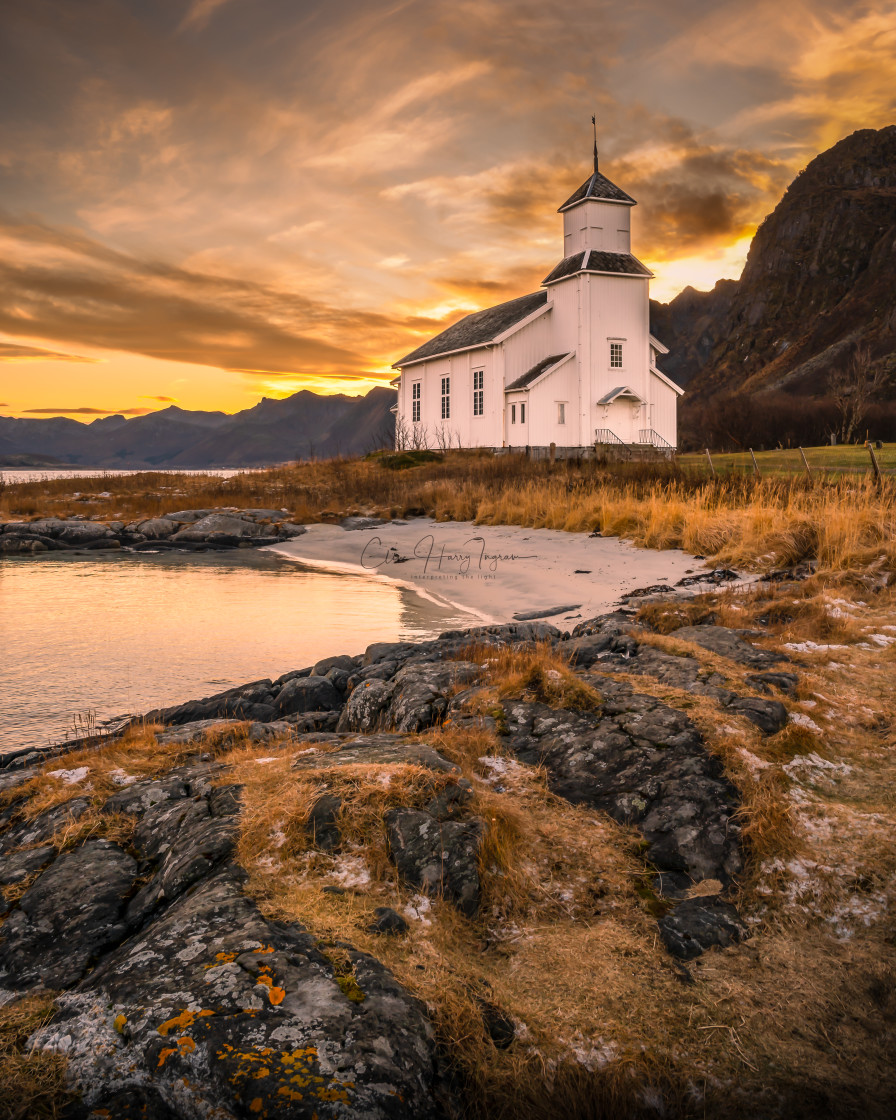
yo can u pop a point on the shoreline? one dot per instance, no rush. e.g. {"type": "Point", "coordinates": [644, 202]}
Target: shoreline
{"type": "Point", "coordinates": [495, 573]}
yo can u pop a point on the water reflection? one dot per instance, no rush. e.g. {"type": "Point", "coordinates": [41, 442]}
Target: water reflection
{"type": "Point", "coordinates": [119, 634]}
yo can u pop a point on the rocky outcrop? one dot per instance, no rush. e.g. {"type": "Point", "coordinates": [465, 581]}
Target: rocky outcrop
{"type": "Point", "coordinates": [188, 530]}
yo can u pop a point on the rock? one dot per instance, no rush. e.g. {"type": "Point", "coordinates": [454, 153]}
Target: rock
{"type": "Point", "coordinates": [367, 708]}
{"type": "Point", "coordinates": [499, 1026]}
{"type": "Point", "coordinates": [770, 716]}
{"type": "Point", "coordinates": [373, 750]}
{"type": "Point", "coordinates": [19, 865]}
{"type": "Point", "coordinates": [420, 691]}
{"type": "Point", "coordinates": [388, 921]}
{"type": "Point", "coordinates": [339, 661]}
{"type": "Point", "coordinates": [353, 523]}
{"type": "Point", "coordinates": [184, 1009]}
{"type": "Point", "coordinates": [440, 858]}
{"type": "Point", "coordinates": [289, 529]}
{"type": "Point", "coordinates": [238, 527]}
{"type": "Point", "coordinates": [765, 682]}
{"type": "Point", "coordinates": [188, 516]}
{"type": "Point", "coordinates": [41, 828]}
{"type": "Point", "coordinates": [645, 764]}
{"type": "Point", "coordinates": [719, 575]}
{"type": "Point", "coordinates": [261, 514]}
{"type": "Point", "coordinates": [697, 924]}
{"type": "Point", "coordinates": [322, 824]}
{"type": "Point", "coordinates": [155, 528]}
{"type": "Point", "coordinates": [307, 694]}
{"type": "Point", "coordinates": [139, 797]}
{"type": "Point", "coordinates": [450, 800]}
{"type": "Point", "coordinates": [102, 545]}
{"type": "Point", "coordinates": [253, 701]}
{"type": "Point", "coordinates": [653, 589]}
{"type": "Point", "coordinates": [728, 643]}
{"type": "Point", "coordinates": [544, 612]}
{"type": "Point", "coordinates": [67, 918]}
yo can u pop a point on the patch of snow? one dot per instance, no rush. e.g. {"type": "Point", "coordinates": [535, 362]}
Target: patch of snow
{"type": "Point", "coordinates": [883, 639]}
{"type": "Point", "coordinates": [500, 767]}
{"type": "Point", "coordinates": [856, 909]}
{"type": "Point", "coordinates": [802, 720]}
{"type": "Point", "coordinates": [418, 908]}
{"type": "Point", "coordinates": [385, 779]}
{"type": "Point", "coordinates": [809, 703]}
{"type": "Point", "coordinates": [350, 871]}
{"type": "Point", "coordinates": [262, 761]}
{"type": "Point", "coordinates": [70, 777]}
{"type": "Point", "coordinates": [753, 763]}
{"type": "Point", "coordinates": [122, 778]}
{"type": "Point", "coordinates": [816, 766]}
{"type": "Point", "coordinates": [810, 647]}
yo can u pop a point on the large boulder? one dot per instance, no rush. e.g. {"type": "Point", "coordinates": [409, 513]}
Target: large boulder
{"type": "Point", "coordinates": [439, 857]}
{"type": "Point", "coordinates": [224, 523]}
{"type": "Point", "coordinates": [68, 917]}
{"type": "Point", "coordinates": [155, 528]}
{"type": "Point", "coordinates": [307, 694]}
{"type": "Point", "coordinates": [211, 1010]}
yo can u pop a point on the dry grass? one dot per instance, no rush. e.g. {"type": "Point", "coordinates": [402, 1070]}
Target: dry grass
{"type": "Point", "coordinates": [534, 671]}
{"type": "Point", "coordinates": [847, 525]}
{"type": "Point", "coordinates": [32, 1085]}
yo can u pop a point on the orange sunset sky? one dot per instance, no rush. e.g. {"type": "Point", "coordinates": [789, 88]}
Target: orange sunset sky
{"type": "Point", "coordinates": [209, 201]}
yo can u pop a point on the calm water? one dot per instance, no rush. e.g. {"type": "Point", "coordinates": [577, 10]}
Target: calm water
{"type": "Point", "coordinates": [36, 474]}
{"type": "Point", "coordinates": [124, 634]}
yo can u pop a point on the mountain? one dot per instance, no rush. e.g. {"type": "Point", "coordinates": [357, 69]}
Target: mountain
{"type": "Point", "coordinates": [817, 282]}
{"type": "Point", "coordinates": [302, 426]}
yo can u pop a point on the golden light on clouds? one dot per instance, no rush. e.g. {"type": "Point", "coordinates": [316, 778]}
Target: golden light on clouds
{"type": "Point", "coordinates": [207, 201]}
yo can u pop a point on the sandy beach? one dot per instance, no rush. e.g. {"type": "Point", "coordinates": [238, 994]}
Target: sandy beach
{"type": "Point", "coordinates": [494, 572]}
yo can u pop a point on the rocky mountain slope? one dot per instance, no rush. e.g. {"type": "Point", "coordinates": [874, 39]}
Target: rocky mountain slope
{"type": "Point", "coordinates": [818, 280]}
{"type": "Point", "coordinates": [302, 426]}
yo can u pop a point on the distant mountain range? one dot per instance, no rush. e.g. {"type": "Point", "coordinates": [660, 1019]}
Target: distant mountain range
{"type": "Point", "coordinates": [819, 279]}
{"type": "Point", "coordinates": [302, 426]}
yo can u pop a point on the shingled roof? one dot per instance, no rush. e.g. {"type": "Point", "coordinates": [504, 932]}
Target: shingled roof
{"type": "Point", "coordinates": [526, 379]}
{"type": "Point", "coordinates": [598, 186]}
{"type": "Point", "coordinates": [477, 329]}
{"type": "Point", "coordinates": [595, 260]}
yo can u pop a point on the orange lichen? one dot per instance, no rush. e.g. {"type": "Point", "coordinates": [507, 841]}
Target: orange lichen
{"type": "Point", "coordinates": [264, 949]}
{"type": "Point", "coordinates": [276, 995]}
{"type": "Point", "coordinates": [256, 1105]}
{"type": "Point", "coordinates": [119, 1023]}
{"type": "Point", "coordinates": [182, 1021]}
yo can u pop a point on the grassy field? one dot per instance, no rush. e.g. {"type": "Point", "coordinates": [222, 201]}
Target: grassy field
{"type": "Point", "coordinates": [846, 522]}
{"type": "Point", "coordinates": [788, 461]}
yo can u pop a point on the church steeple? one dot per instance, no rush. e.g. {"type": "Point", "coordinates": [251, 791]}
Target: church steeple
{"type": "Point", "coordinates": [594, 124]}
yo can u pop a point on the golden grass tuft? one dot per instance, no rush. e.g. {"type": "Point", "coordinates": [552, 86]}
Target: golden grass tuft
{"type": "Point", "coordinates": [32, 1083]}
{"type": "Point", "coordinates": [535, 672]}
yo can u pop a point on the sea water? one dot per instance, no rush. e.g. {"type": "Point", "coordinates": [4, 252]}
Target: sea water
{"type": "Point", "coordinates": [91, 637]}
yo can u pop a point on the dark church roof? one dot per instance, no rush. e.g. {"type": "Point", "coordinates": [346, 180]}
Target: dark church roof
{"type": "Point", "coordinates": [595, 260]}
{"type": "Point", "coordinates": [477, 329]}
{"type": "Point", "coordinates": [598, 186]}
{"type": "Point", "coordinates": [526, 379]}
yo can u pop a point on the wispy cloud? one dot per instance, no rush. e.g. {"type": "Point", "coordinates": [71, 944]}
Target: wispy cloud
{"type": "Point", "coordinates": [13, 352]}
{"type": "Point", "coordinates": [199, 13]}
{"type": "Point", "coordinates": [84, 410]}
{"type": "Point", "coordinates": [169, 400]}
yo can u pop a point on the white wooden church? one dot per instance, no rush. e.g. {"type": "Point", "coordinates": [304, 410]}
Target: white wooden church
{"type": "Point", "coordinates": [573, 364]}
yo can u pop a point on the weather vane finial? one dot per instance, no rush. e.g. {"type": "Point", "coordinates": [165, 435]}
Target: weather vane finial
{"type": "Point", "coordinates": [594, 123]}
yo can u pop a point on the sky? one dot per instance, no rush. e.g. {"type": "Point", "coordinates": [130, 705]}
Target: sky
{"type": "Point", "coordinates": [204, 202]}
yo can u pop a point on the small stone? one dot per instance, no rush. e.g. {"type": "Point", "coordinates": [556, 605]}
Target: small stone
{"type": "Point", "coordinates": [386, 920]}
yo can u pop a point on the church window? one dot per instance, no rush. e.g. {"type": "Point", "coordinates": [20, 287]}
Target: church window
{"type": "Point", "coordinates": [446, 398]}
{"type": "Point", "coordinates": [513, 414]}
{"type": "Point", "coordinates": [522, 412]}
{"type": "Point", "coordinates": [415, 402]}
{"type": "Point", "coordinates": [616, 355]}
{"type": "Point", "coordinates": [561, 412]}
{"type": "Point", "coordinates": [478, 392]}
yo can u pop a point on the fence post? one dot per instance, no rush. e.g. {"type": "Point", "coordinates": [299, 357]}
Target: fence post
{"type": "Point", "coordinates": [806, 463]}
{"type": "Point", "coordinates": [712, 469]}
{"type": "Point", "coordinates": [755, 464]}
{"type": "Point", "coordinates": [874, 463]}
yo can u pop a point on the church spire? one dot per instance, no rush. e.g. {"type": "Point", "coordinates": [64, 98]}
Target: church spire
{"type": "Point", "coordinates": [594, 123]}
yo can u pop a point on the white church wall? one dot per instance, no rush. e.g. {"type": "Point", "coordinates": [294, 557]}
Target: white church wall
{"type": "Point", "coordinates": [619, 314]}
{"type": "Point", "coordinates": [597, 225]}
{"type": "Point", "coordinates": [528, 346]}
{"type": "Point", "coordinates": [664, 411]}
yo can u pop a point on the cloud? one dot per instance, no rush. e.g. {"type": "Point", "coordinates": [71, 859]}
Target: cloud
{"type": "Point", "coordinates": [84, 410]}
{"type": "Point", "coordinates": [200, 13]}
{"type": "Point", "coordinates": [169, 400]}
{"type": "Point", "coordinates": [12, 352]}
